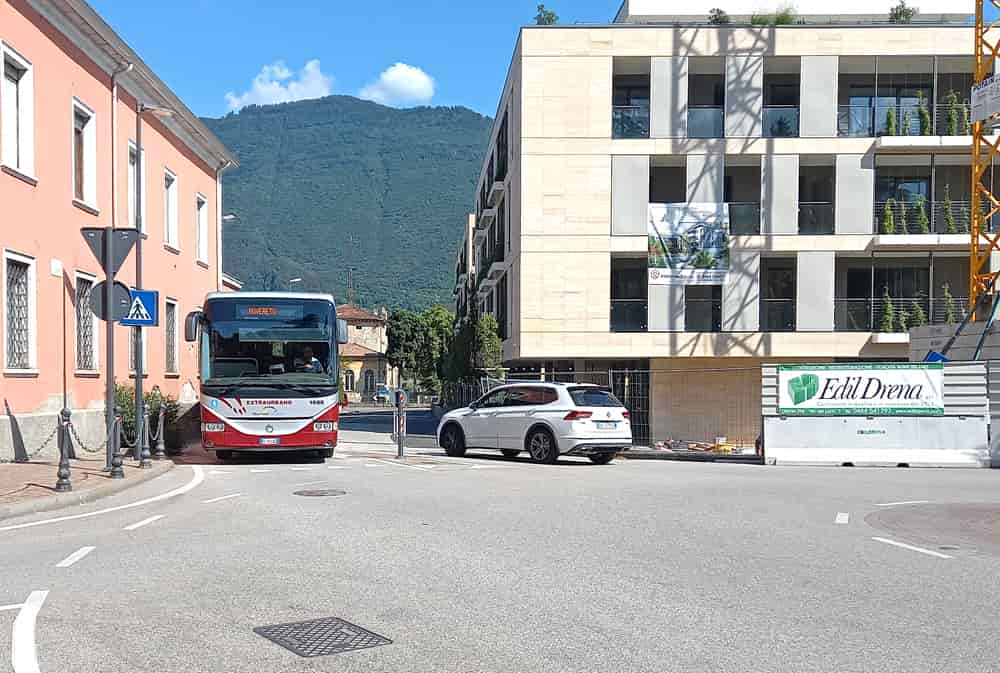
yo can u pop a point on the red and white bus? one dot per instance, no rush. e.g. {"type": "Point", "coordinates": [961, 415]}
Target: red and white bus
{"type": "Point", "coordinates": [269, 371]}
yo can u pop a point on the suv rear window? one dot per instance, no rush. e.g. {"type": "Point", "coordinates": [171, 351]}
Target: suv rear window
{"type": "Point", "coordinates": [593, 397]}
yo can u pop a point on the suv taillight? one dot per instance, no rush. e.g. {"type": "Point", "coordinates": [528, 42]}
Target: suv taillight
{"type": "Point", "coordinates": [577, 415]}
{"type": "Point", "coordinates": [626, 415]}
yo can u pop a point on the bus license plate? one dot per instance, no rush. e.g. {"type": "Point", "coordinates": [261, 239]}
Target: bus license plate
{"type": "Point", "coordinates": [270, 441]}
{"type": "Point", "coordinates": [605, 425]}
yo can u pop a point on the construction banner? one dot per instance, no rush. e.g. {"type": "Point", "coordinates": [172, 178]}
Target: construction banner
{"type": "Point", "coordinates": [688, 243]}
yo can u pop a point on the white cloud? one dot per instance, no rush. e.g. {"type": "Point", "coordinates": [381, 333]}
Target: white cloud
{"type": "Point", "coordinates": [275, 83]}
{"type": "Point", "coordinates": [400, 84]}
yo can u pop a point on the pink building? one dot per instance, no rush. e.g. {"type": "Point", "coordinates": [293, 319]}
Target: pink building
{"type": "Point", "coordinates": [67, 160]}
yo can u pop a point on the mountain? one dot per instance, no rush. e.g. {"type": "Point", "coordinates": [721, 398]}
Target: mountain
{"type": "Point", "coordinates": [329, 184]}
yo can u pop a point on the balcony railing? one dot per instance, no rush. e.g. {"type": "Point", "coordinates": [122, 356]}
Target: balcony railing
{"type": "Point", "coordinates": [937, 217]}
{"type": "Point", "coordinates": [706, 122]}
{"type": "Point", "coordinates": [744, 218]}
{"type": "Point", "coordinates": [628, 315]}
{"type": "Point", "coordinates": [781, 121]}
{"type": "Point", "coordinates": [777, 315]}
{"type": "Point", "coordinates": [898, 314]}
{"type": "Point", "coordinates": [904, 120]}
{"type": "Point", "coordinates": [630, 121]}
{"type": "Point", "coordinates": [703, 315]}
{"type": "Point", "coordinates": [816, 218]}
{"type": "Point", "coordinates": [953, 120]}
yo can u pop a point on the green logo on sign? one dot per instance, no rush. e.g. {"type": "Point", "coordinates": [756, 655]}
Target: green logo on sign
{"type": "Point", "coordinates": [803, 388]}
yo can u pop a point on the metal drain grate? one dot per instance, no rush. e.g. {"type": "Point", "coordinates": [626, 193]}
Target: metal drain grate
{"type": "Point", "coordinates": [320, 637]}
{"type": "Point", "coordinates": [319, 492]}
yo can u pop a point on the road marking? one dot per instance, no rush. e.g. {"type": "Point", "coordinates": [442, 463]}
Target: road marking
{"type": "Point", "coordinates": [219, 472]}
{"type": "Point", "coordinates": [301, 469]}
{"type": "Point", "coordinates": [221, 497]}
{"type": "Point", "coordinates": [12, 606]}
{"type": "Point", "coordinates": [903, 545]}
{"type": "Point", "coordinates": [199, 476]}
{"type": "Point", "coordinates": [75, 556]}
{"type": "Point", "coordinates": [372, 465]}
{"type": "Point", "coordinates": [901, 502]}
{"type": "Point", "coordinates": [144, 522]}
{"type": "Point", "coordinates": [23, 654]}
{"type": "Point", "coordinates": [337, 467]}
{"type": "Point", "coordinates": [310, 483]}
{"type": "Point", "coordinates": [258, 471]}
{"type": "Point", "coordinates": [843, 517]}
{"type": "Point", "coordinates": [398, 464]}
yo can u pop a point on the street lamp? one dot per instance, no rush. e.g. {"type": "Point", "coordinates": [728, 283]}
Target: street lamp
{"type": "Point", "coordinates": [231, 217]}
{"type": "Point", "coordinates": [141, 440]}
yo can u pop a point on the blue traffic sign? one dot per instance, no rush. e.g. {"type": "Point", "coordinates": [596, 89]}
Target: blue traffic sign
{"type": "Point", "coordinates": [144, 310]}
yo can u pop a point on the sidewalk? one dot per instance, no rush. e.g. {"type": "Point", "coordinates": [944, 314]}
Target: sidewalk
{"type": "Point", "coordinates": [26, 488]}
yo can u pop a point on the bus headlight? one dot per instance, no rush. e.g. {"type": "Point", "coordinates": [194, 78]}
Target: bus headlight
{"type": "Point", "coordinates": [324, 426]}
{"type": "Point", "coordinates": [213, 427]}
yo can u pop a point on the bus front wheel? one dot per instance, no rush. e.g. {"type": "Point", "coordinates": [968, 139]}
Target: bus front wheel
{"type": "Point", "coordinates": [225, 454]}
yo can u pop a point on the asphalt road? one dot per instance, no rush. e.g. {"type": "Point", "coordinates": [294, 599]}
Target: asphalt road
{"type": "Point", "coordinates": [421, 425]}
{"type": "Point", "coordinates": [484, 564]}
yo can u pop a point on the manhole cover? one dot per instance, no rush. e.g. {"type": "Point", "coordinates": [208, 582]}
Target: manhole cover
{"type": "Point", "coordinates": [320, 492]}
{"type": "Point", "coordinates": [320, 637]}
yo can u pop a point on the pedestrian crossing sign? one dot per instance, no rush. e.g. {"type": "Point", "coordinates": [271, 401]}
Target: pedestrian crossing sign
{"type": "Point", "coordinates": [143, 311]}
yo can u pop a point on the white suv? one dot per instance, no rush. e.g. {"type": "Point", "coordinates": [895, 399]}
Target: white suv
{"type": "Point", "coordinates": [545, 419]}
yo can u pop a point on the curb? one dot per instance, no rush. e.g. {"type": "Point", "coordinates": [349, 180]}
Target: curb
{"type": "Point", "coordinates": [691, 458]}
{"type": "Point", "coordinates": [60, 500]}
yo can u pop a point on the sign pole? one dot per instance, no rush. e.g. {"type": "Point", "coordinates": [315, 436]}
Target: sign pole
{"type": "Point", "coordinates": [109, 327]}
{"type": "Point", "coordinates": [141, 447]}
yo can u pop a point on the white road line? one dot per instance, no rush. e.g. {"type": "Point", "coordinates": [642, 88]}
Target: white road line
{"type": "Point", "coordinates": [929, 552]}
{"type": "Point", "coordinates": [337, 467]}
{"type": "Point", "coordinates": [75, 556]}
{"type": "Point", "coordinates": [23, 654]}
{"type": "Point", "coordinates": [396, 463]}
{"type": "Point", "coordinates": [258, 471]}
{"type": "Point", "coordinates": [372, 465]}
{"type": "Point", "coordinates": [843, 517]}
{"type": "Point", "coordinates": [301, 469]}
{"type": "Point", "coordinates": [221, 497]}
{"type": "Point", "coordinates": [144, 522]}
{"type": "Point", "coordinates": [219, 472]}
{"type": "Point", "coordinates": [310, 483]}
{"type": "Point", "coordinates": [12, 606]}
{"type": "Point", "coordinates": [199, 476]}
{"type": "Point", "coordinates": [901, 502]}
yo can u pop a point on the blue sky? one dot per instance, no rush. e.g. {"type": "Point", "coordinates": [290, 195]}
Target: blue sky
{"type": "Point", "coordinates": [206, 49]}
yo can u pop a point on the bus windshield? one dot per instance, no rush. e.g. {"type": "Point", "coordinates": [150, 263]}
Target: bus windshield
{"type": "Point", "coordinates": [271, 342]}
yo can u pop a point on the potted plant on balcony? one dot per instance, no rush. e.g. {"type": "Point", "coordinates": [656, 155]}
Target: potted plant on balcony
{"type": "Point", "coordinates": [888, 312]}
{"type": "Point", "coordinates": [949, 304]}
{"type": "Point", "coordinates": [890, 121]}
{"type": "Point", "coordinates": [904, 321]}
{"type": "Point", "coordinates": [951, 113]}
{"type": "Point", "coordinates": [923, 114]}
{"type": "Point", "coordinates": [949, 215]}
{"type": "Point", "coordinates": [903, 227]}
{"type": "Point", "coordinates": [888, 220]}
{"type": "Point", "coordinates": [923, 223]}
{"type": "Point", "coordinates": [917, 315]}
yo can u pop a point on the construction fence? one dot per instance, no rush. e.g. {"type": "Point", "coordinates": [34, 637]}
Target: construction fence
{"type": "Point", "coordinates": [693, 408]}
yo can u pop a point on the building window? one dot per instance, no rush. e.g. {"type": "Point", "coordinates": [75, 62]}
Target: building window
{"type": "Point", "coordinates": [19, 311]}
{"type": "Point", "coordinates": [369, 382]}
{"type": "Point", "coordinates": [138, 224]}
{"type": "Point", "coordinates": [17, 112]}
{"type": "Point", "coordinates": [86, 326]}
{"type": "Point", "coordinates": [170, 331]}
{"type": "Point", "coordinates": [201, 209]}
{"type": "Point", "coordinates": [84, 154]}
{"type": "Point", "coordinates": [502, 306]}
{"type": "Point", "coordinates": [348, 381]}
{"type": "Point", "coordinates": [170, 226]}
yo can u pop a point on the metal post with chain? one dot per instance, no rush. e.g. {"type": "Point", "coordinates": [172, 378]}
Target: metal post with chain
{"type": "Point", "coordinates": [116, 448]}
{"type": "Point", "coordinates": [143, 438]}
{"type": "Point", "coordinates": [63, 483]}
{"type": "Point", "coordinates": [160, 450]}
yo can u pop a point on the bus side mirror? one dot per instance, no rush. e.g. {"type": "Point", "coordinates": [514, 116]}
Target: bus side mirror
{"type": "Point", "coordinates": [191, 324]}
{"type": "Point", "coordinates": [341, 331]}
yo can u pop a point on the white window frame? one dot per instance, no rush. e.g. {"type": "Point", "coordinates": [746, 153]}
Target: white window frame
{"type": "Point", "coordinates": [89, 154]}
{"type": "Point", "coordinates": [130, 170]}
{"type": "Point", "coordinates": [353, 383]}
{"type": "Point", "coordinates": [177, 349]}
{"type": "Point", "coordinates": [201, 225]}
{"type": "Point", "coordinates": [95, 326]}
{"type": "Point", "coordinates": [171, 225]}
{"type": "Point", "coordinates": [23, 125]}
{"type": "Point", "coordinates": [32, 311]}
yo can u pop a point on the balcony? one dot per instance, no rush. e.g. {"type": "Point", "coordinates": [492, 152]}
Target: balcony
{"type": "Point", "coordinates": [496, 261]}
{"type": "Point", "coordinates": [953, 119]}
{"type": "Point", "coordinates": [781, 121]}
{"type": "Point", "coordinates": [628, 315]}
{"type": "Point", "coordinates": [495, 193]}
{"type": "Point", "coordinates": [867, 121]}
{"type": "Point", "coordinates": [705, 122]}
{"type": "Point", "coordinates": [702, 315]}
{"type": "Point", "coordinates": [630, 121]}
{"type": "Point", "coordinates": [486, 218]}
{"type": "Point", "coordinates": [744, 219]}
{"type": "Point", "coordinates": [777, 315]}
{"type": "Point", "coordinates": [898, 314]}
{"type": "Point", "coordinates": [816, 218]}
{"type": "Point", "coordinates": [936, 217]}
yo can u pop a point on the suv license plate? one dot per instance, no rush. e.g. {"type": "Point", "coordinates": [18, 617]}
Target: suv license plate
{"type": "Point", "coordinates": [270, 441]}
{"type": "Point", "coordinates": [605, 425]}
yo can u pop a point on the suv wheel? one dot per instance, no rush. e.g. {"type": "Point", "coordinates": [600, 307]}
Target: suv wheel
{"type": "Point", "coordinates": [453, 441]}
{"type": "Point", "coordinates": [510, 453]}
{"type": "Point", "coordinates": [542, 446]}
{"type": "Point", "coordinates": [602, 458]}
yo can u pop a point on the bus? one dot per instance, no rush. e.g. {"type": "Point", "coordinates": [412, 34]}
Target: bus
{"type": "Point", "coordinates": [269, 371]}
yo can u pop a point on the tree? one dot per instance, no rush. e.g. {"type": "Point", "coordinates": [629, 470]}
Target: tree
{"type": "Point", "coordinates": [405, 331]}
{"type": "Point", "coordinates": [489, 348]}
{"type": "Point", "coordinates": [888, 312]}
{"type": "Point", "coordinates": [438, 325]}
{"type": "Point", "coordinates": [923, 222]}
{"type": "Point", "coordinates": [904, 228]}
{"type": "Point", "coordinates": [888, 221]}
{"type": "Point", "coordinates": [904, 128]}
{"type": "Point", "coordinates": [902, 13]}
{"type": "Point", "coordinates": [545, 17]}
{"type": "Point", "coordinates": [718, 17]}
{"type": "Point", "coordinates": [949, 216]}
{"type": "Point", "coordinates": [785, 16]}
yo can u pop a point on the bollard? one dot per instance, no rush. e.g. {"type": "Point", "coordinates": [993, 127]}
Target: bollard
{"type": "Point", "coordinates": [160, 450]}
{"type": "Point", "coordinates": [116, 447]}
{"type": "Point", "coordinates": [144, 461]}
{"type": "Point", "coordinates": [63, 483]}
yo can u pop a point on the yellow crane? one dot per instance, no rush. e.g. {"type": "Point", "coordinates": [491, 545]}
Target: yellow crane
{"type": "Point", "coordinates": [984, 206]}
